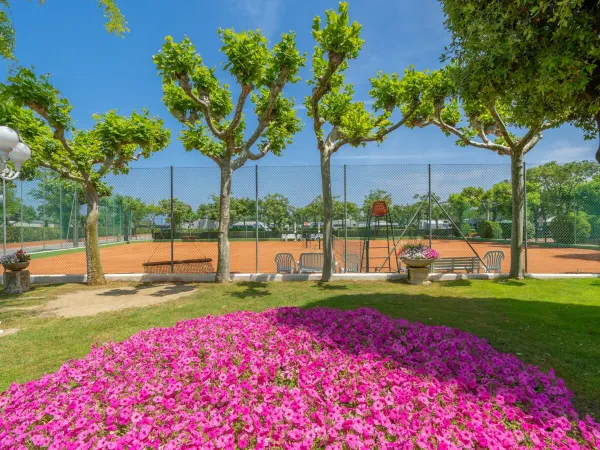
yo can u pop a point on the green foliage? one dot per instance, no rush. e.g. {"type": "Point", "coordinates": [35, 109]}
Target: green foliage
{"type": "Point", "coordinates": [489, 229]}
{"type": "Point", "coordinates": [332, 101]}
{"type": "Point", "coordinates": [563, 186]}
{"type": "Point", "coordinates": [541, 54]}
{"type": "Point", "coordinates": [570, 228]}
{"type": "Point", "coordinates": [594, 226]}
{"type": "Point", "coordinates": [587, 196]}
{"type": "Point", "coordinates": [338, 37]}
{"type": "Point", "coordinates": [275, 209]}
{"type": "Point", "coordinates": [465, 228]}
{"type": "Point", "coordinates": [205, 107]}
{"type": "Point", "coordinates": [182, 212]}
{"type": "Point", "coordinates": [43, 118]}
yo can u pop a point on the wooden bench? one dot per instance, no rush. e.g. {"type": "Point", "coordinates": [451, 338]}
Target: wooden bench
{"type": "Point", "coordinates": [470, 264]}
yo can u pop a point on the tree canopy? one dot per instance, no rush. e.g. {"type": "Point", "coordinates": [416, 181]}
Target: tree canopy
{"type": "Point", "coordinates": [541, 54]}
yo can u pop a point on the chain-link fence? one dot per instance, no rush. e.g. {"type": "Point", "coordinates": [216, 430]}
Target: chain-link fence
{"type": "Point", "coordinates": [166, 219]}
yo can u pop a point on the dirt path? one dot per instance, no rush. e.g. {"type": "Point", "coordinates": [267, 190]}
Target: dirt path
{"type": "Point", "coordinates": [89, 303]}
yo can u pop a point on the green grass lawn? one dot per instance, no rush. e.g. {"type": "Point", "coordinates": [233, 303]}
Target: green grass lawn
{"type": "Point", "coordinates": [552, 323]}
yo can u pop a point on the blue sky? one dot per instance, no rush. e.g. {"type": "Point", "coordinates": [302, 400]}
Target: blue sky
{"type": "Point", "coordinates": [98, 71]}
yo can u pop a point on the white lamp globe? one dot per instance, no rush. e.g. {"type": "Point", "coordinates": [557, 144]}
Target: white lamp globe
{"type": "Point", "coordinates": [8, 140]}
{"type": "Point", "coordinates": [19, 155]}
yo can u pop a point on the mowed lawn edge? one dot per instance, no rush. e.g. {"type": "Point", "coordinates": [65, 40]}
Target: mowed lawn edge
{"type": "Point", "coordinates": [549, 323]}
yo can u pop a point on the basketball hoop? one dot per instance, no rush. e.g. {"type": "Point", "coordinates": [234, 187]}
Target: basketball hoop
{"type": "Point", "coordinates": [379, 209]}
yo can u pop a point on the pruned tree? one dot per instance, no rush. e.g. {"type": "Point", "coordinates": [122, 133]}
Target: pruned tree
{"type": "Point", "coordinates": [545, 50]}
{"type": "Point", "coordinates": [42, 116]}
{"type": "Point", "coordinates": [488, 123]}
{"type": "Point", "coordinates": [115, 24]}
{"type": "Point", "coordinates": [215, 126]}
{"type": "Point", "coordinates": [338, 120]}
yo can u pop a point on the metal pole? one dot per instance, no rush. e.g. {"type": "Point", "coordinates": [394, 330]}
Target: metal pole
{"type": "Point", "coordinates": [525, 237]}
{"type": "Point", "coordinates": [21, 183]}
{"type": "Point", "coordinates": [60, 213]}
{"type": "Point", "coordinates": [43, 226]}
{"type": "Point", "coordinates": [430, 231]}
{"type": "Point", "coordinates": [172, 226]}
{"type": "Point", "coordinates": [4, 214]}
{"type": "Point", "coordinates": [256, 213]}
{"type": "Point", "coordinates": [76, 219]}
{"type": "Point", "coordinates": [345, 220]}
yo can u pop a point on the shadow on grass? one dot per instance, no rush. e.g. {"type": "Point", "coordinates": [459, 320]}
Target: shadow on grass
{"type": "Point", "coordinates": [253, 289]}
{"type": "Point", "coordinates": [458, 283]}
{"type": "Point", "coordinates": [558, 335]}
{"type": "Point", "coordinates": [330, 287]}
{"type": "Point", "coordinates": [165, 290]}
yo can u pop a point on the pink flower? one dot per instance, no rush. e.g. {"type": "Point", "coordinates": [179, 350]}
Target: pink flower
{"type": "Point", "coordinates": [295, 378]}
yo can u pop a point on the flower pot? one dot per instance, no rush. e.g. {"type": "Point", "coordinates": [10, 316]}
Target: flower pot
{"type": "Point", "coordinates": [15, 267]}
{"type": "Point", "coordinates": [417, 262]}
{"type": "Point", "coordinates": [418, 270]}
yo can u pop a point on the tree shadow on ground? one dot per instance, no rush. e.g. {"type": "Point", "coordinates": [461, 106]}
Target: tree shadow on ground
{"type": "Point", "coordinates": [562, 336]}
{"type": "Point", "coordinates": [329, 286]}
{"type": "Point", "coordinates": [253, 289]}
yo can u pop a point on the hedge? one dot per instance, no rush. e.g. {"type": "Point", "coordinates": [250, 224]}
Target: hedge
{"type": "Point", "coordinates": [570, 229]}
{"type": "Point", "coordinates": [465, 228]}
{"type": "Point", "coordinates": [489, 229]}
{"type": "Point", "coordinates": [31, 234]}
{"type": "Point", "coordinates": [507, 230]}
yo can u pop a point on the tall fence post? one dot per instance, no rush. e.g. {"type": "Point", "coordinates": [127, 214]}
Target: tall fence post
{"type": "Point", "coordinates": [256, 214]}
{"type": "Point", "coordinates": [44, 226]}
{"type": "Point", "coordinates": [429, 198]}
{"type": "Point", "coordinates": [4, 215]}
{"type": "Point", "coordinates": [75, 219]}
{"type": "Point", "coordinates": [525, 236]}
{"type": "Point", "coordinates": [345, 219]}
{"type": "Point", "coordinates": [21, 183]}
{"type": "Point", "coordinates": [172, 226]}
{"type": "Point", "coordinates": [60, 214]}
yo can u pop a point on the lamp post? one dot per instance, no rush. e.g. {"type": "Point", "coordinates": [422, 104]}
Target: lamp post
{"type": "Point", "coordinates": [11, 148]}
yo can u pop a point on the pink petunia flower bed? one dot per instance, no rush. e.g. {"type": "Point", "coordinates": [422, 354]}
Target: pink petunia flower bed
{"type": "Point", "coordinates": [297, 379]}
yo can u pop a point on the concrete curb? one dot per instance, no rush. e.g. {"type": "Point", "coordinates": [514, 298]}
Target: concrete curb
{"type": "Point", "coordinates": [269, 277]}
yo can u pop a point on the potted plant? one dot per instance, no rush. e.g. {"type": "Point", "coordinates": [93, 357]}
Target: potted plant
{"type": "Point", "coordinates": [16, 261]}
{"type": "Point", "coordinates": [417, 257]}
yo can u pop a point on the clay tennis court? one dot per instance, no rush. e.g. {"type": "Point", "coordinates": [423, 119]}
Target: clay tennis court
{"type": "Point", "coordinates": [128, 258]}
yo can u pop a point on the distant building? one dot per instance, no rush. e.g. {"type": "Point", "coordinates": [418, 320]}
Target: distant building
{"type": "Point", "coordinates": [244, 225]}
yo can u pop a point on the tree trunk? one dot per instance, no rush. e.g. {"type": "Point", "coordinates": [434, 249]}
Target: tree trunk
{"type": "Point", "coordinates": [223, 265]}
{"type": "Point", "coordinates": [95, 274]}
{"type": "Point", "coordinates": [328, 259]}
{"type": "Point", "coordinates": [518, 207]}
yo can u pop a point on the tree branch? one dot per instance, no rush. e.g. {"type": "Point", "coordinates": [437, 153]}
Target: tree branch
{"type": "Point", "coordinates": [248, 155]}
{"type": "Point", "coordinates": [59, 130]}
{"type": "Point", "coordinates": [246, 89]}
{"type": "Point", "coordinates": [186, 85]}
{"type": "Point", "coordinates": [319, 91]}
{"type": "Point", "coordinates": [501, 125]}
{"type": "Point", "coordinates": [500, 149]}
{"type": "Point", "coordinates": [274, 93]}
{"type": "Point", "coordinates": [61, 171]}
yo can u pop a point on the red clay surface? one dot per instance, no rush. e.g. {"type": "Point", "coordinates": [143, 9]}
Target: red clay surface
{"type": "Point", "coordinates": [128, 258]}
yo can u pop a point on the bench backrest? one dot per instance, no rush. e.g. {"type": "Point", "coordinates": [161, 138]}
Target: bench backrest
{"type": "Point", "coordinates": [457, 263]}
{"type": "Point", "coordinates": [312, 261]}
